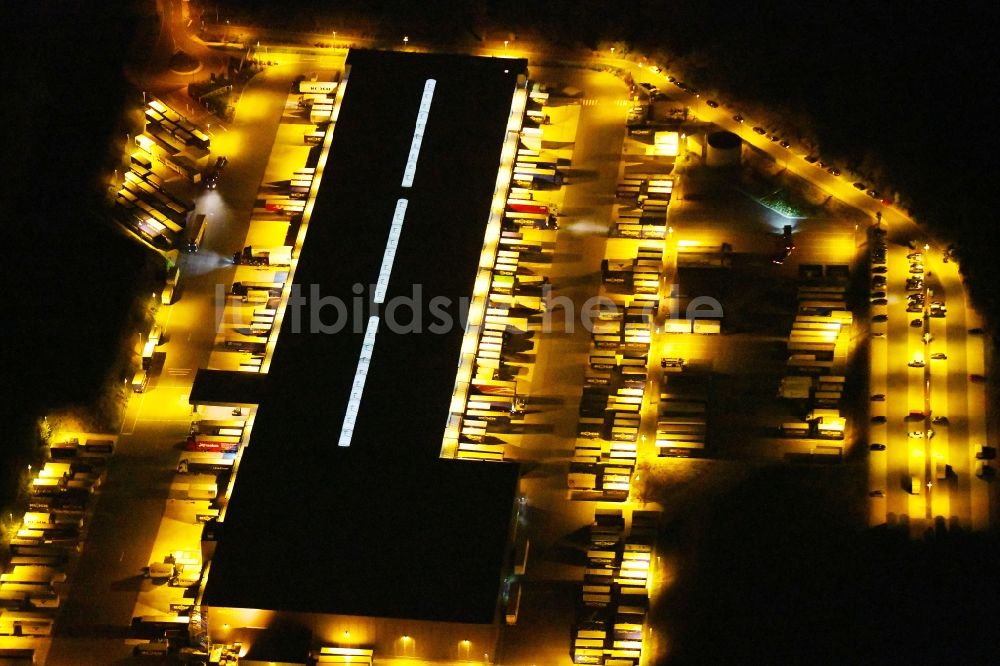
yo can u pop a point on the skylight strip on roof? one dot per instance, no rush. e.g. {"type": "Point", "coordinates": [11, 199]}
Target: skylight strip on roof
{"type": "Point", "coordinates": [390, 251]}
{"type": "Point", "coordinates": [358, 387]}
{"type": "Point", "coordinates": [418, 132]}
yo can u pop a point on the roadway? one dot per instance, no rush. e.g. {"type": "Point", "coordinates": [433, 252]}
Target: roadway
{"type": "Point", "coordinates": [127, 520]}
{"type": "Point", "coordinates": [556, 377]}
{"type": "Point", "coordinates": [939, 388]}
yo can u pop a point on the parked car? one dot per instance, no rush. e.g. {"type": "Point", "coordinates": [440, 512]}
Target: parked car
{"type": "Point", "coordinates": [760, 130]}
{"type": "Point", "coordinates": [877, 447]}
{"type": "Point", "coordinates": [712, 103]}
{"type": "Point", "coordinates": [738, 118]}
{"type": "Point", "coordinates": [859, 186]}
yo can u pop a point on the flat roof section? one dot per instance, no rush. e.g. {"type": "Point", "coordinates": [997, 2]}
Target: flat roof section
{"type": "Point", "coordinates": [227, 387]}
{"type": "Point", "coordinates": [383, 527]}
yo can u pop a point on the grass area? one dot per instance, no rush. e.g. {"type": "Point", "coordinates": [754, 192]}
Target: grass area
{"type": "Point", "coordinates": [773, 564]}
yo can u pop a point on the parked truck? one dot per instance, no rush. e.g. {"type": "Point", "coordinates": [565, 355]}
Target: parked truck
{"type": "Point", "coordinates": [274, 256]}
{"type": "Point", "coordinates": [212, 443]}
{"type": "Point", "coordinates": [218, 427]}
{"type": "Point", "coordinates": [243, 288]}
{"type": "Point", "coordinates": [194, 462]}
{"type": "Point", "coordinates": [522, 206]}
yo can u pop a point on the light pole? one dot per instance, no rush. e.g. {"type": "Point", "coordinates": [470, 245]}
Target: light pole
{"type": "Point", "coordinates": [505, 45]}
{"type": "Point", "coordinates": [405, 41]}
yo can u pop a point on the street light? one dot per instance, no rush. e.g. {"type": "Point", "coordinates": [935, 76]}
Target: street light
{"type": "Point", "coordinates": [405, 40]}
{"type": "Point", "coordinates": [505, 45]}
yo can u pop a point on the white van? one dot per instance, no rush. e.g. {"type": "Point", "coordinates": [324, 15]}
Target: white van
{"type": "Point", "coordinates": [139, 381]}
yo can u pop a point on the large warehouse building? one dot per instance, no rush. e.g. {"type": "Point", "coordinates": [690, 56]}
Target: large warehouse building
{"type": "Point", "coordinates": [345, 525]}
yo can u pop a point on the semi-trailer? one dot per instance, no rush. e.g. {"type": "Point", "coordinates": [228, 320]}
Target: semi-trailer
{"type": "Point", "coordinates": [205, 462]}
{"type": "Point", "coordinates": [274, 256]}
{"type": "Point", "coordinates": [213, 443]}
{"type": "Point", "coordinates": [272, 288]}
